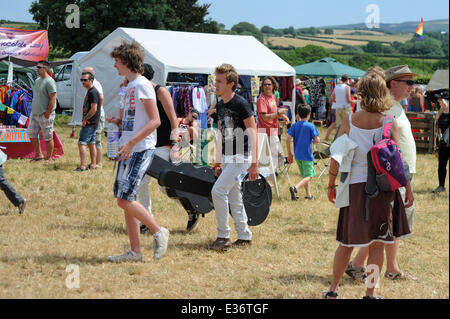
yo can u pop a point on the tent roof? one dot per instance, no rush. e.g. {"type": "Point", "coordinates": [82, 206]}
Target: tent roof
{"type": "Point", "coordinates": [328, 67]}
{"type": "Point", "coordinates": [189, 52]}
{"type": "Point", "coordinates": [438, 81]}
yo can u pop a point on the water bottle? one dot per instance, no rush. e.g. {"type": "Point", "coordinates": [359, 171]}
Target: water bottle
{"type": "Point", "coordinates": [175, 156]}
{"type": "Point", "coordinates": [113, 140]}
{"type": "Point", "coordinates": [241, 176]}
{"type": "Point", "coordinates": [264, 171]}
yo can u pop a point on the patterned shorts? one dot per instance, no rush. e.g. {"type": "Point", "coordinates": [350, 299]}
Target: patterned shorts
{"type": "Point", "coordinates": [130, 174]}
{"type": "Point", "coordinates": [39, 123]}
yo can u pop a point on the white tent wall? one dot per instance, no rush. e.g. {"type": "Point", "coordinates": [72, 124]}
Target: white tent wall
{"type": "Point", "coordinates": [177, 52]}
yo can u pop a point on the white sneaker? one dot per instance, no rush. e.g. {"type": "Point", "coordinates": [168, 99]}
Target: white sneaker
{"type": "Point", "coordinates": [161, 242]}
{"type": "Point", "coordinates": [128, 256]}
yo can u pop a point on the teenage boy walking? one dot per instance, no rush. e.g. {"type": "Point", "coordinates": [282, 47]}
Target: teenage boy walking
{"type": "Point", "coordinates": [137, 146]}
{"type": "Point", "coordinates": [304, 133]}
{"type": "Point", "coordinates": [237, 145]}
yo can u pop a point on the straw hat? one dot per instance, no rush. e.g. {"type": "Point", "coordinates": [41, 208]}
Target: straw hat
{"type": "Point", "coordinates": [398, 71]}
{"type": "Point", "coordinates": [298, 82]}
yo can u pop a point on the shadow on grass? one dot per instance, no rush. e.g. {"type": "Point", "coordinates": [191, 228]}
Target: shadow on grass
{"type": "Point", "coordinates": [309, 230]}
{"type": "Point", "coordinates": [304, 278]}
{"type": "Point", "coordinates": [114, 229]}
{"type": "Point", "coordinates": [55, 259]}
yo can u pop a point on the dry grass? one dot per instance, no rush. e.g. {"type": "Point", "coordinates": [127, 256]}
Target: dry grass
{"type": "Point", "coordinates": [72, 218]}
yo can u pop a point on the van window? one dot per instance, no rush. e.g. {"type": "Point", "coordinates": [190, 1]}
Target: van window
{"type": "Point", "coordinates": [64, 73]}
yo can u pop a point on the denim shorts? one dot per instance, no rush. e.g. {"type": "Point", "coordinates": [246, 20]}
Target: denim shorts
{"type": "Point", "coordinates": [87, 135]}
{"type": "Point", "coordinates": [130, 174]}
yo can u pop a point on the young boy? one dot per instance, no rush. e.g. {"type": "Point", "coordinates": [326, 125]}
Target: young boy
{"type": "Point", "coordinates": [137, 146]}
{"type": "Point", "coordinates": [304, 133]}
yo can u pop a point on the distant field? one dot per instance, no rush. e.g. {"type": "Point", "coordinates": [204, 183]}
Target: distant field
{"type": "Point", "coordinates": [23, 26]}
{"type": "Point", "coordinates": [339, 38]}
{"type": "Point", "coordinates": [285, 42]}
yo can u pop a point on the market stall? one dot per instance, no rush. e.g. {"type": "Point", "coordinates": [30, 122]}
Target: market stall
{"type": "Point", "coordinates": [25, 48]}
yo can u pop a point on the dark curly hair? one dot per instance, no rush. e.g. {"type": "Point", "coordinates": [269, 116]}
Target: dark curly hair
{"type": "Point", "coordinates": [132, 55]}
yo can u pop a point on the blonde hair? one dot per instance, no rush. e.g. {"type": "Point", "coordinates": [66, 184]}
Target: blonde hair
{"type": "Point", "coordinates": [373, 92]}
{"type": "Point", "coordinates": [230, 74]}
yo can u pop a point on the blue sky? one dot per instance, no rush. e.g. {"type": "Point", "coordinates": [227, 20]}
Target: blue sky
{"type": "Point", "coordinates": [296, 13]}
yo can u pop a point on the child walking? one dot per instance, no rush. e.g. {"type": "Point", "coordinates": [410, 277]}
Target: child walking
{"type": "Point", "coordinates": [304, 134]}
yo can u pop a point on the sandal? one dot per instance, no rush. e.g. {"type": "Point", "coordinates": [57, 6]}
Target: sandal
{"type": "Point", "coordinates": [400, 275]}
{"type": "Point", "coordinates": [293, 191]}
{"type": "Point", "coordinates": [79, 169]}
{"type": "Point", "coordinates": [36, 159]}
{"type": "Point", "coordinates": [309, 197]}
{"type": "Point", "coordinates": [329, 294]}
{"type": "Point", "coordinates": [358, 273]}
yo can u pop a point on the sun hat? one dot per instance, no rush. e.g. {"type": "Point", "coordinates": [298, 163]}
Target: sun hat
{"type": "Point", "coordinates": [397, 72]}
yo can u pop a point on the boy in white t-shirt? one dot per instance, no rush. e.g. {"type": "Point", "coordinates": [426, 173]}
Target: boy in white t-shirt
{"type": "Point", "coordinates": [137, 146]}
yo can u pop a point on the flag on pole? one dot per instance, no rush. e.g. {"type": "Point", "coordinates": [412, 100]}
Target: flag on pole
{"type": "Point", "coordinates": [419, 30]}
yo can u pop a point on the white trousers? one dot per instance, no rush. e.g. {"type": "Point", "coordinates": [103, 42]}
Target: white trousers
{"type": "Point", "coordinates": [226, 195]}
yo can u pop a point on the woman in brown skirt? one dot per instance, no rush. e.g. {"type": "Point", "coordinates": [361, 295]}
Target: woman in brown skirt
{"type": "Point", "coordinates": [386, 213]}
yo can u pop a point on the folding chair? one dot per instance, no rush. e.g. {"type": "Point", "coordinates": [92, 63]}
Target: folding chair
{"type": "Point", "coordinates": [321, 153]}
{"type": "Point", "coordinates": [283, 167]}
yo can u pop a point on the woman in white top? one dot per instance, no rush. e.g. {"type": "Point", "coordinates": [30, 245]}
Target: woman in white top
{"type": "Point", "coordinates": [385, 221]}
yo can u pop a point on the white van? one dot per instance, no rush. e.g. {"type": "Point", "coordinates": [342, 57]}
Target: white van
{"type": "Point", "coordinates": [64, 82]}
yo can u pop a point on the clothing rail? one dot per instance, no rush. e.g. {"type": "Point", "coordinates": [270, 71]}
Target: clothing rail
{"type": "Point", "coordinates": [183, 83]}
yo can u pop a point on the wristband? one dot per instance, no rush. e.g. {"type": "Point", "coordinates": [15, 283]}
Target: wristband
{"type": "Point", "coordinates": [331, 187]}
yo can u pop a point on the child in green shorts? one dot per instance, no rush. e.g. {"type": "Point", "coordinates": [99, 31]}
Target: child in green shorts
{"type": "Point", "coordinates": [304, 134]}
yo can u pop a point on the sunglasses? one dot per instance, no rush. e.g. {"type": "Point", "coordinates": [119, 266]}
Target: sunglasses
{"type": "Point", "coordinates": [40, 67]}
{"type": "Point", "coordinates": [267, 84]}
{"type": "Point", "coordinates": [84, 80]}
{"type": "Point", "coordinates": [408, 82]}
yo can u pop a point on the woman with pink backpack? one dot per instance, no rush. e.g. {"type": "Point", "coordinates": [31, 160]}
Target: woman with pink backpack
{"type": "Point", "coordinates": [364, 221]}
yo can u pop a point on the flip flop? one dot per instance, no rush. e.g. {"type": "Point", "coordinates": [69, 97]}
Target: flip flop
{"type": "Point", "coordinates": [36, 159]}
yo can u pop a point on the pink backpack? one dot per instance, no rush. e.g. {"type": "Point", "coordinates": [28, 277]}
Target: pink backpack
{"type": "Point", "coordinates": [386, 171]}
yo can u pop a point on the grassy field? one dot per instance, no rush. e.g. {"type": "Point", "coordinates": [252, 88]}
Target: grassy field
{"type": "Point", "coordinates": [72, 219]}
{"type": "Point", "coordinates": [286, 42]}
{"type": "Point", "coordinates": [339, 38]}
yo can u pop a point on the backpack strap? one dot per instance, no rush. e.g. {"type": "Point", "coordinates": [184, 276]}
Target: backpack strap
{"type": "Point", "coordinates": [387, 126]}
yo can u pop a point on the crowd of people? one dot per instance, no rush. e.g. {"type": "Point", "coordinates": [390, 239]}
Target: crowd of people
{"type": "Point", "coordinates": [149, 127]}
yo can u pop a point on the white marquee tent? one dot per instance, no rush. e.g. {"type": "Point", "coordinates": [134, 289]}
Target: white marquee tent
{"type": "Point", "coordinates": [178, 52]}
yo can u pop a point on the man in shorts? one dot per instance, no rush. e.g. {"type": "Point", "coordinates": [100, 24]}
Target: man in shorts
{"type": "Point", "coordinates": [91, 117]}
{"type": "Point", "coordinates": [101, 122]}
{"type": "Point", "coordinates": [42, 112]}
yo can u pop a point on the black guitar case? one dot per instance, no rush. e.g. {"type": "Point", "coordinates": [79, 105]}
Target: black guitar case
{"type": "Point", "coordinates": [192, 186]}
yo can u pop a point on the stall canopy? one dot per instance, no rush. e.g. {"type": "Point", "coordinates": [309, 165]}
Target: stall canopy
{"type": "Point", "coordinates": [177, 52]}
{"type": "Point", "coordinates": [438, 81]}
{"type": "Point", "coordinates": [327, 67]}
{"type": "Point", "coordinates": [25, 74]}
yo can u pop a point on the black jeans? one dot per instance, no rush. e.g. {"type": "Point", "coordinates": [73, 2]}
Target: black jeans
{"type": "Point", "coordinates": [444, 151]}
{"type": "Point", "coordinates": [10, 192]}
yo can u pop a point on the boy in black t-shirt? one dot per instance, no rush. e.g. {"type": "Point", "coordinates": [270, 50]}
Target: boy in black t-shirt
{"type": "Point", "coordinates": [237, 144]}
{"type": "Point", "coordinates": [91, 117]}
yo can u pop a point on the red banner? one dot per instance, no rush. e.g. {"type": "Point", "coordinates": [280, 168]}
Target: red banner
{"type": "Point", "coordinates": [31, 45]}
